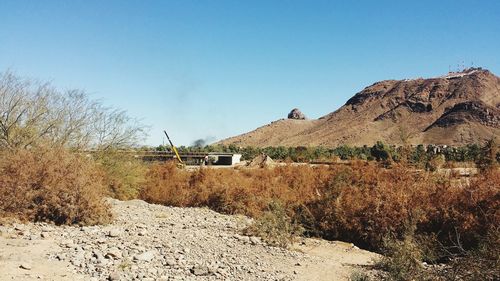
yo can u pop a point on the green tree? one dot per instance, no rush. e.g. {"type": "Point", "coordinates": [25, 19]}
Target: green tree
{"type": "Point", "coordinates": [419, 156]}
{"type": "Point", "coordinates": [487, 158]}
{"type": "Point", "coordinates": [381, 152]}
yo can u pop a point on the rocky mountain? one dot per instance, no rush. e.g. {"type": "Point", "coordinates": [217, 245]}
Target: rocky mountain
{"type": "Point", "coordinates": [455, 109]}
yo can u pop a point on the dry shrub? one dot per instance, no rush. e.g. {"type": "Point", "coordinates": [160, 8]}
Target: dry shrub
{"type": "Point", "coordinates": [246, 191]}
{"type": "Point", "coordinates": [365, 203]}
{"type": "Point", "coordinates": [361, 203]}
{"type": "Point", "coordinates": [51, 185]}
{"type": "Point", "coordinates": [275, 227]}
{"type": "Point", "coordinates": [403, 260]}
{"type": "Point", "coordinates": [359, 276]}
{"type": "Point", "coordinates": [123, 174]}
{"type": "Point", "coordinates": [464, 215]}
{"type": "Point", "coordinates": [165, 184]}
{"type": "Point", "coordinates": [482, 263]}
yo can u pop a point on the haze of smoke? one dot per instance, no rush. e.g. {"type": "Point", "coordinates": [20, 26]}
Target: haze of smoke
{"type": "Point", "coordinates": [203, 142]}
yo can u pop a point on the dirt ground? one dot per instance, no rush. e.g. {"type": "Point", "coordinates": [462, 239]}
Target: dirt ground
{"type": "Point", "coordinates": [32, 251]}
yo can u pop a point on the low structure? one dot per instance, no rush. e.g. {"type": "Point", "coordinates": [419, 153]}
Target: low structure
{"type": "Point", "coordinates": [194, 158]}
{"type": "Point", "coordinates": [222, 158]}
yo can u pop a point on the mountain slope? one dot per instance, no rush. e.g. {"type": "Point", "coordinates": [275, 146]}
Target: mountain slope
{"type": "Point", "coordinates": [455, 109]}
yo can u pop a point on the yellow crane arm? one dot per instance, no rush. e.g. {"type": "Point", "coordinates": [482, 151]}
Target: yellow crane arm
{"type": "Point", "coordinates": [174, 148]}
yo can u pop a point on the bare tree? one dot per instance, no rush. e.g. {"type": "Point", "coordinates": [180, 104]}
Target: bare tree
{"type": "Point", "coordinates": [33, 113]}
{"type": "Point", "coordinates": [113, 128]}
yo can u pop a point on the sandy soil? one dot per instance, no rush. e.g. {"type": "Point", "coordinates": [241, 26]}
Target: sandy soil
{"type": "Point", "coordinates": [16, 253]}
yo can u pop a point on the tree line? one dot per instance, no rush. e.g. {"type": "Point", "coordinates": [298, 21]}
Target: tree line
{"type": "Point", "coordinates": [419, 155]}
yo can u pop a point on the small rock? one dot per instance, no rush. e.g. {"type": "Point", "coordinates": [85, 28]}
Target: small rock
{"type": "Point", "coordinates": [244, 239]}
{"type": "Point", "coordinates": [254, 240]}
{"type": "Point", "coordinates": [77, 262]}
{"type": "Point", "coordinates": [25, 266]}
{"type": "Point", "coordinates": [114, 253]}
{"type": "Point", "coordinates": [170, 262]}
{"type": "Point", "coordinates": [46, 229]}
{"type": "Point", "coordinates": [114, 233]}
{"type": "Point", "coordinates": [146, 256]}
{"type": "Point", "coordinates": [199, 270]}
{"type": "Point", "coordinates": [19, 227]}
{"type": "Point", "coordinates": [222, 271]}
{"type": "Point", "coordinates": [114, 276]}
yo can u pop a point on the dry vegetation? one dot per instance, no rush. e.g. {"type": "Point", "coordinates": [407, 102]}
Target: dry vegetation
{"type": "Point", "coordinates": [362, 203]}
{"type": "Point", "coordinates": [410, 215]}
{"type": "Point", "coordinates": [122, 174]}
{"type": "Point", "coordinates": [40, 179]}
{"type": "Point", "coordinates": [51, 185]}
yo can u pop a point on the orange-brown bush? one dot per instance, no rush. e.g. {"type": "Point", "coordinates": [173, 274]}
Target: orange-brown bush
{"type": "Point", "coordinates": [51, 185]}
{"type": "Point", "coordinates": [246, 191]}
{"type": "Point", "coordinates": [362, 203]}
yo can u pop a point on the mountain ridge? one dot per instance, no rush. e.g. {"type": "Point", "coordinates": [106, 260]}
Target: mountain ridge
{"type": "Point", "coordinates": [454, 109]}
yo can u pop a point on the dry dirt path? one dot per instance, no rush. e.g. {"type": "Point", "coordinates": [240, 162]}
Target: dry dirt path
{"type": "Point", "coordinates": [153, 242]}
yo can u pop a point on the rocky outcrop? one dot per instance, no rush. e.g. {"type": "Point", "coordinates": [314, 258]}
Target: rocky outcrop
{"type": "Point", "coordinates": [474, 111]}
{"type": "Point", "coordinates": [296, 114]}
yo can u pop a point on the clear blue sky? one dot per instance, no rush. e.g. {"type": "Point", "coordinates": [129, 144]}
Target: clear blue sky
{"type": "Point", "coordinates": [219, 68]}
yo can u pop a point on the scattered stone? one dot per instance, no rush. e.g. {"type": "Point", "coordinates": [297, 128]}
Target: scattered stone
{"type": "Point", "coordinates": [255, 240]}
{"type": "Point", "coordinates": [200, 270]}
{"type": "Point", "coordinates": [194, 243]}
{"type": "Point", "coordinates": [114, 253]}
{"type": "Point", "coordinates": [114, 233]}
{"type": "Point", "coordinates": [244, 239]}
{"type": "Point", "coordinates": [46, 229]}
{"type": "Point", "coordinates": [146, 256]}
{"type": "Point", "coordinates": [170, 262]}
{"type": "Point", "coordinates": [25, 266]}
{"type": "Point", "coordinates": [114, 276]}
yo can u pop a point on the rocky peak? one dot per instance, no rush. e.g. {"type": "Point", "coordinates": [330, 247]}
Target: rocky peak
{"type": "Point", "coordinates": [296, 114]}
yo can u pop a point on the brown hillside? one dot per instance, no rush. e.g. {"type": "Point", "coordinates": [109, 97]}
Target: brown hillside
{"type": "Point", "coordinates": [455, 109]}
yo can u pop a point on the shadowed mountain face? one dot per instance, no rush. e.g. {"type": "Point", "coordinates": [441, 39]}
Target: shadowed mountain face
{"type": "Point", "coordinates": [455, 109]}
